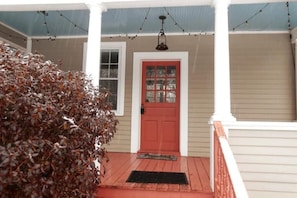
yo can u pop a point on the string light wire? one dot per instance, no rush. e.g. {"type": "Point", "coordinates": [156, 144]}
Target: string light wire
{"type": "Point", "coordinates": [290, 33]}
{"type": "Point", "coordinates": [140, 29]}
{"type": "Point", "coordinates": [251, 17]}
{"type": "Point", "coordinates": [142, 24]}
{"type": "Point", "coordinates": [45, 14]}
{"type": "Point", "coordinates": [72, 23]}
{"type": "Point", "coordinates": [289, 18]}
{"type": "Point", "coordinates": [180, 27]}
{"type": "Point", "coordinates": [175, 22]}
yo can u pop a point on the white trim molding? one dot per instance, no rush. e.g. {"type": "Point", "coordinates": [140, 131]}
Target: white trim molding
{"type": "Point", "coordinates": [256, 125]}
{"type": "Point", "coordinates": [138, 58]}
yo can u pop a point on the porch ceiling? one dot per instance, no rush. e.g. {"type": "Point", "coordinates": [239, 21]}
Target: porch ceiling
{"type": "Point", "coordinates": [277, 16]}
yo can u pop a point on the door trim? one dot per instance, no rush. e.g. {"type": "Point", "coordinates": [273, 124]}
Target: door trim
{"type": "Point", "coordinates": [138, 58]}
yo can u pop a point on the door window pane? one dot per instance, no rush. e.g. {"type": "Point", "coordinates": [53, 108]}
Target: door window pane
{"type": "Point", "coordinates": [171, 84]}
{"type": "Point", "coordinates": [160, 95]}
{"type": "Point", "coordinates": [171, 97]}
{"type": "Point", "coordinates": [149, 96]}
{"type": "Point", "coordinates": [160, 84]}
{"type": "Point", "coordinates": [171, 71]}
{"type": "Point", "coordinates": [150, 85]}
{"type": "Point", "coordinates": [150, 71]}
{"type": "Point", "coordinates": [160, 71]}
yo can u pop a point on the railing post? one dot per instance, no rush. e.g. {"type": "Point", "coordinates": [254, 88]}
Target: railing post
{"type": "Point", "coordinates": [212, 154]}
{"type": "Point", "coordinates": [227, 180]}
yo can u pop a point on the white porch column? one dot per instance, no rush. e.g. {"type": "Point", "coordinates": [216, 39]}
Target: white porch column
{"type": "Point", "coordinates": [29, 45]}
{"type": "Point", "coordinates": [94, 42]}
{"type": "Point", "coordinates": [222, 98]}
{"type": "Point", "coordinates": [222, 95]}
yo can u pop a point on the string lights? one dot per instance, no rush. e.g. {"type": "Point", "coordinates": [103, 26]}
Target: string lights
{"type": "Point", "coordinates": [175, 22]}
{"type": "Point", "coordinates": [289, 19]}
{"type": "Point", "coordinates": [180, 27]}
{"type": "Point", "coordinates": [45, 14]}
{"type": "Point", "coordinates": [290, 34]}
{"type": "Point", "coordinates": [251, 17]}
{"type": "Point", "coordinates": [71, 22]}
{"type": "Point", "coordinates": [141, 26]}
{"type": "Point", "coordinates": [145, 20]}
{"type": "Point", "coordinates": [170, 16]}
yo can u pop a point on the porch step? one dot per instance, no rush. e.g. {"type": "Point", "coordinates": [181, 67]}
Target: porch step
{"type": "Point", "coordinates": [107, 192]}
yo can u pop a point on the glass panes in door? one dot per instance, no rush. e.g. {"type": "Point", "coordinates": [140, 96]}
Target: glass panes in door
{"type": "Point", "coordinates": [160, 84]}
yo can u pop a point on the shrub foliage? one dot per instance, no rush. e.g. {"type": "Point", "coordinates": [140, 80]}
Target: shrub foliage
{"type": "Point", "coordinates": [53, 127]}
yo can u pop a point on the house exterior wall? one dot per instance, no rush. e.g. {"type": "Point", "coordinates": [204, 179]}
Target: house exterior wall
{"type": "Point", "coordinates": [262, 79]}
{"type": "Point", "coordinates": [67, 53]}
{"type": "Point", "coordinates": [13, 36]}
{"type": "Point", "coordinates": [267, 161]}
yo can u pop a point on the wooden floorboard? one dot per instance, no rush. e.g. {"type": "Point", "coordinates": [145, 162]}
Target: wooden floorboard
{"type": "Point", "coordinates": [120, 165]}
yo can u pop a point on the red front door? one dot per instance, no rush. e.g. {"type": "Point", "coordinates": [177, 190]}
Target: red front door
{"type": "Point", "coordinates": [160, 106]}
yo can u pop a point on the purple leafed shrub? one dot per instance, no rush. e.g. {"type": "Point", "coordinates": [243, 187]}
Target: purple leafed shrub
{"type": "Point", "coordinates": [53, 127]}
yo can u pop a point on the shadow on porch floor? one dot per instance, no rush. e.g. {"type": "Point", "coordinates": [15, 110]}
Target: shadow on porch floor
{"type": "Point", "coordinates": [119, 167]}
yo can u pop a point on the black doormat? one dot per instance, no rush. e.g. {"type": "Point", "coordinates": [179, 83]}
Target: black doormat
{"type": "Point", "coordinates": [157, 177]}
{"type": "Point", "coordinates": [156, 156]}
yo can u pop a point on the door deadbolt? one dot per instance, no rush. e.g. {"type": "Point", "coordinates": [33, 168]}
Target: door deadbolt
{"type": "Point", "coordinates": [142, 109]}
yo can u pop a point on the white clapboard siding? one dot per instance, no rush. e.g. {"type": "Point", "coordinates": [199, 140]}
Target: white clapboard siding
{"type": "Point", "coordinates": [267, 160]}
{"type": "Point", "coordinates": [271, 194]}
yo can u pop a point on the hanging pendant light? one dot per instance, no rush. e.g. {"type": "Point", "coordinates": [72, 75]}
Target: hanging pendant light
{"type": "Point", "coordinates": [161, 36]}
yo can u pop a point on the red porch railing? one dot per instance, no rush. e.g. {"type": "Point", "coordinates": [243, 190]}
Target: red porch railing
{"type": "Point", "coordinates": [227, 179]}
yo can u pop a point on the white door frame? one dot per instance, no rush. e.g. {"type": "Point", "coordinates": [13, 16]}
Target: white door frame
{"type": "Point", "coordinates": [138, 58]}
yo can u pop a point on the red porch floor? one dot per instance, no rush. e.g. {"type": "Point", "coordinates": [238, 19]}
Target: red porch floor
{"type": "Point", "coordinates": [119, 167]}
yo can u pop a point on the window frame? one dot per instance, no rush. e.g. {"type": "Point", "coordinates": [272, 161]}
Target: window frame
{"type": "Point", "coordinates": [121, 47]}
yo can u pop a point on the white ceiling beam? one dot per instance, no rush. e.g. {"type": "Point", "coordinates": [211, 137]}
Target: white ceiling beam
{"type": "Point", "coordinates": [258, 1]}
{"type": "Point", "coordinates": [33, 5]}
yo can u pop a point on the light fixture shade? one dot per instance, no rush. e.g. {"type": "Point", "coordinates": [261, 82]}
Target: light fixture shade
{"type": "Point", "coordinates": [162, 45]}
